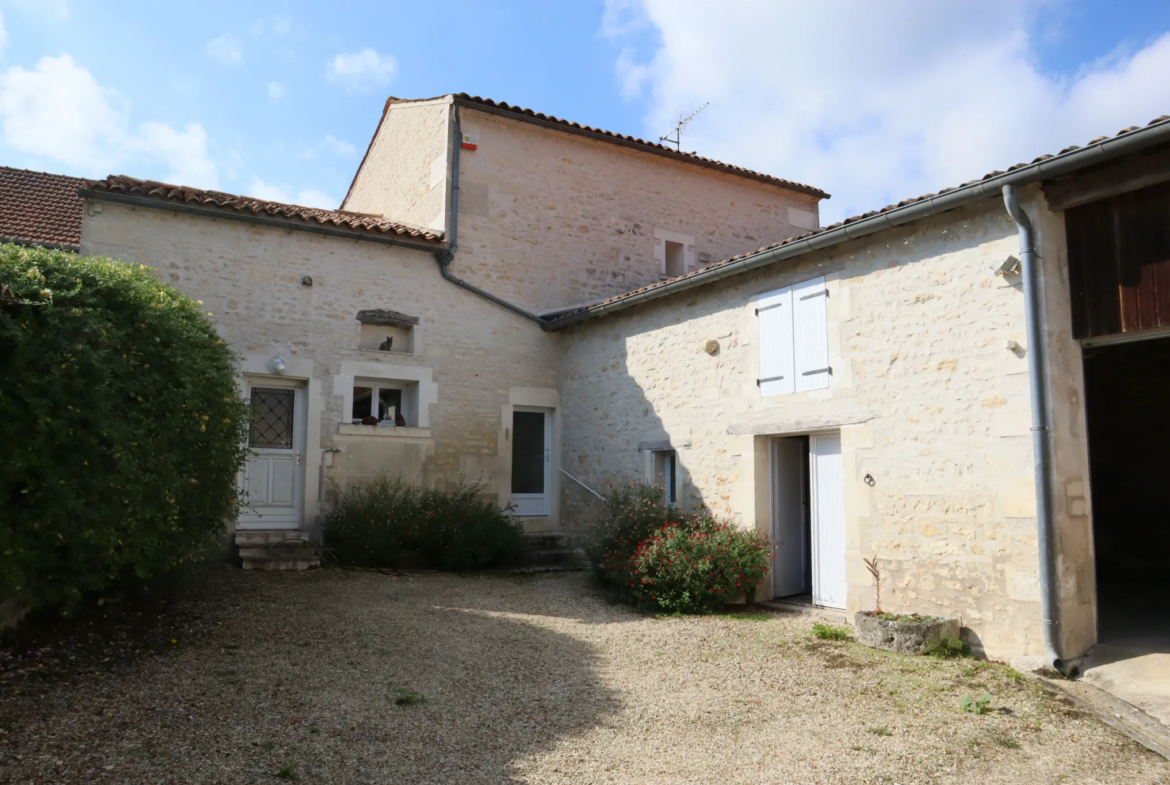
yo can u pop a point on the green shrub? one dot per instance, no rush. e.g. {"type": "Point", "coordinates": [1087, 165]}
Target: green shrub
{"type": "Point", "coordinates": [977, 705]}
{"type": "Point", "coordinates": [630, 514]}
{"type": "Point", "coordinates": [828, 632]}
{"type": "Point", "coordinates": [698, 566]}
{"type": "Point", "coordinates": [653, 555]}
{"type": "Point", "coordinates": [388, 522]}
{"type": "Point", "coordinates": [122, 422]}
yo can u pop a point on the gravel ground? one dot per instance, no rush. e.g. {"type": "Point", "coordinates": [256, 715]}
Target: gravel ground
{"type": "Point", "coordinates": [532, 680]}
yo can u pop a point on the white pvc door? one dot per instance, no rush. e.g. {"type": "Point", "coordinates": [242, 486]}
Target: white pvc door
{"type": "Point", "coordinates": [532, 461]}
{"type": "Point", "coordinates": [273, 484]}
{"type": "Point", "coordinates": [828, 521]}
{"type": "Point", "coordinates": [788, 517]}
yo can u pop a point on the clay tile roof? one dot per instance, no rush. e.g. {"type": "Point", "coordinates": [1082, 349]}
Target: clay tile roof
{"type": "Point", "coordinates": [360, 222]}
{"type": "Point", "coordinates": [798, 238]}
{"type": "Point", "coordinates": [656, 147]}
{"type": "Point", "coordinates": [36, 207]}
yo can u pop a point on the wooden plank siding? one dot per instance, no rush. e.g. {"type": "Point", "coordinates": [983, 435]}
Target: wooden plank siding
{"type": "Point", "coordinates": [1119, 262]}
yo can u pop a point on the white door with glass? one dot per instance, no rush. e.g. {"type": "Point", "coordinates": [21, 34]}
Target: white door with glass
{"type": "Point", "coordinates": [532, 461]}
{"type": "Point", "coordinates": [273, 481]}
{"type": "Point", "coordinates": [790, 539]}
{"type": "Point", "coordinates": [826, 483]}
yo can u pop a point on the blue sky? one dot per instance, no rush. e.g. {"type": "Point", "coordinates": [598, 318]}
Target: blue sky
{"type": "Point", "coordinates": [279, 99]}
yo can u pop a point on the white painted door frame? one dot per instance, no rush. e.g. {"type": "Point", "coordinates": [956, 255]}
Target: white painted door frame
{"type": "Point", "coordinates": [536, 505]}
{"type": "Point", "coordinates": [272, 482]}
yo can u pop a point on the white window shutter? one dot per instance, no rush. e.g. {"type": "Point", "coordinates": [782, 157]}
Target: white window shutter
{"type": "Point", "coordinates": [774, 312]}
{"type": "Point", "coordinates": [810, 334]}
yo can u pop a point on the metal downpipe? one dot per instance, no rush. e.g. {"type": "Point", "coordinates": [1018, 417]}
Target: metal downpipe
{"type": "Point", "coordinates": [1041, 414]}
{"type": "Point", "coordinates": [445, 256]}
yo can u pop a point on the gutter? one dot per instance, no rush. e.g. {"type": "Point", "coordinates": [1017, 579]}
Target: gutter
{"type": "Point", "coordinates": [1035, 325]}
{"type": "Point", "coordinates": [1054, 166]}
{"type": "Point", "coordinates": [444, 256]}
{"type": "Point", "coordinates": [251, 218]}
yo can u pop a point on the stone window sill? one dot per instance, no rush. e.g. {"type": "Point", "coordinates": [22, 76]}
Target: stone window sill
{"type": "Point", "coordinates": [383, 431]}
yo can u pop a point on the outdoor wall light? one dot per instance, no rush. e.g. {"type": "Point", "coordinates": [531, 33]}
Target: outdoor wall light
{"type": "Point", "coordinates": [276, 365]}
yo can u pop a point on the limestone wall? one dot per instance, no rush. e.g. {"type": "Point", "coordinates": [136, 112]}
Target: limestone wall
{"type": "Point", "coordinates": [405, 173]}
{"type": "Point", "coordinates": [550, 220]}
{"type": "Point", "coordinates": [473, 360]}
{"type": "Point", "coordinates": [926, 396]}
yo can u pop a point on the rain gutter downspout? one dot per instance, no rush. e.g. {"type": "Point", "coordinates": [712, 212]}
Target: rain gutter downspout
{"type": "Point", "coordinates": [446, 255]}
{"type": "Point", "coordinates": [1030, 261]}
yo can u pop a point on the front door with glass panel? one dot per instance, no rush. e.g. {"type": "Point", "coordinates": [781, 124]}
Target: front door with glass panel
{"type": "Point", "coordinates": [531, 461]}
{"type": "Point", "coordinates": [273, 482]}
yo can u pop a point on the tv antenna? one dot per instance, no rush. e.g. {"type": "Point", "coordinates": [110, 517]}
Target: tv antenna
{"type": "Point", "coordinates": [675, 135]}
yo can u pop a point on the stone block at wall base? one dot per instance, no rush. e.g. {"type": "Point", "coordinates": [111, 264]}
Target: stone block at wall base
{"type": "Point", "coordinates": [903, 637]}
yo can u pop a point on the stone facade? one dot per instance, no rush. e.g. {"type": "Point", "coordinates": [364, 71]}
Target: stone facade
{"type": "Point", "coordinates": [550, 220]}
{"type": "Point", "coordinates": [925, 394]}
{"type": "Point", "coordinates": [472, 361]}
{"type": "Point", "coordinates": [929, 388]}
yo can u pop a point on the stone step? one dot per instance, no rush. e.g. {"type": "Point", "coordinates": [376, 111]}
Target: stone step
{"type": "Point", "coordinates": [287, 550]}
{"type": "Point", "coordinates": [543, 541]}
{"type": "Point", "coordinates": [564, 556]}
{"type": "Point", "coordinates": [256, 537]}
{"type": "Point", "coordinates": [281, 564]}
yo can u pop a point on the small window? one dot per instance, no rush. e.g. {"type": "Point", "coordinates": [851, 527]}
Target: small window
{"type": "Point", "coordinates": [675, 259]}
{"type": "Point", "coordinates": [665, 469]}
{"type": "Point", "coordinates": [375, 404]}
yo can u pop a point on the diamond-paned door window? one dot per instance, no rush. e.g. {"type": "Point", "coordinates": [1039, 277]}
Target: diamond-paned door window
{"type": "Point", "coordinates": [272, 419]}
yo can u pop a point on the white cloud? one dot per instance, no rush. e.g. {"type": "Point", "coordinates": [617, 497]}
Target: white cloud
{"type": "Point", "coordinates": [275, 91]}
{"type": "Point", "coordinates": [55, 8]}
{"type": "Point", "coordinates": [361, 71]}
{"type": "Point", "coordinates": [225, 50]}
{"type": "Point", "coordinates": [338, 146]}
{"type": "Point", "coordinates": [309, 197]}
{"type": "Point", "coordinates": [874, 102]}
{"type": "Point", "coordinates": [60, 112]}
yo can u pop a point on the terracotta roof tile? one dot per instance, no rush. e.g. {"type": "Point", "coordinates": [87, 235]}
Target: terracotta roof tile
{"type": "Point", "coordinates": [361, 222]}
{"type": "Point", "coordinates": [528, 115]}
{"type": "Point", "coordinates": [36, 207]}
{"type": "Point", "coordinates": [654, 147]}
{"type": "Point", "coordinates": [849, 220]}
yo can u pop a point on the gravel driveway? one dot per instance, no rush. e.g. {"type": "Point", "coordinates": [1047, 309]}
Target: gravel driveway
{"type": "Point", "coordinates": [534, 680]}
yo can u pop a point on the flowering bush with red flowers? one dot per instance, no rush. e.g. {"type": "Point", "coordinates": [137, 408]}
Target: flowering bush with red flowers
{"type": "Point", "coordinates": [657, 557]}
{"type": "Point", "coordinates": [698, 568]}
{"type": "Point", "coordinates": [388, 522]}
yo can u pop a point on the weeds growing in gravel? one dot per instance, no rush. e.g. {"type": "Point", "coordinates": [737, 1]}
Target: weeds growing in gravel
{"type": "Point", "coordinates": [286, 772]}
{"type": "Point", "coordinates": [881, 730]}
{"type": "Point", "coordinates": [1006, 743]}
{"type": "Point", "coordinates": [404, 696]}
{"type": "Point", "coordinates": [977, 705]}
{"type": "Point", "coordinates": [946, 648]}
{"type": "Point", "coordinates": [828, 632]}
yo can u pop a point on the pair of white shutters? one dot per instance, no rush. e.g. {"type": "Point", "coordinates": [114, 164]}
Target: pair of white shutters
{"type": "Point", "coordinates": [794, 338]}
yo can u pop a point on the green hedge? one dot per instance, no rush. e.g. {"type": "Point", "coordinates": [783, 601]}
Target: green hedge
{"type": "Point", "coordinates": [388, 522]}
{"type": "Point", "coordinates": [122, 425]}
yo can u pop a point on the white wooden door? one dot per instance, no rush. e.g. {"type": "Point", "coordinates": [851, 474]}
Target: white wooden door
{"type": "Point", "coordinates": [532, 461]}
{"type": "Point", "coordinates": [828, 521]}
{"type": "Point", "coordinates": [273, 482]}
{"type": "Point", "coordinates": [789, 539]}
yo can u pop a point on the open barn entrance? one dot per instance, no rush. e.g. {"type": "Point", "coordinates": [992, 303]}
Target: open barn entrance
{"type": "Point", "coordinates": [1127, 391]}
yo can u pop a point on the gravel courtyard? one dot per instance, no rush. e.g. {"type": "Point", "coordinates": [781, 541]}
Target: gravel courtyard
{"type": "Point", "coordinates": [532, 680]}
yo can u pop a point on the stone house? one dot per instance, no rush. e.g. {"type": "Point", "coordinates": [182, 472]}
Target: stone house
{"type": "Point", "coordinates": [958, 384]}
